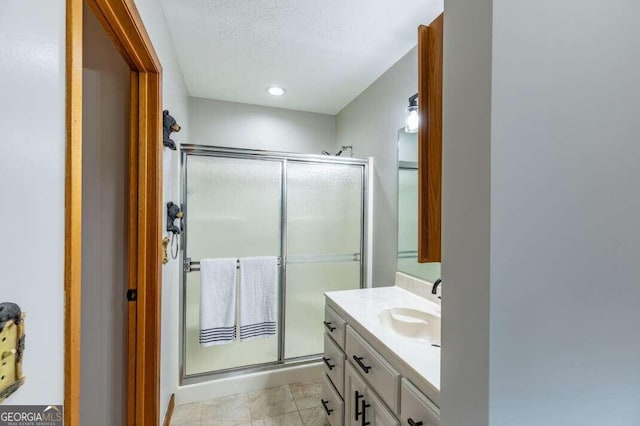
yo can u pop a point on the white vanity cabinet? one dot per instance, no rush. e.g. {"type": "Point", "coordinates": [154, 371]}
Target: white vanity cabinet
{"type": "Point", "coordinates": [362, 387]}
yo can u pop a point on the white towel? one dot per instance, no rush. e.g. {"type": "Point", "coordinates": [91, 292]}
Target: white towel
{"type": "Point", "coordinates": [258, 297]}
{"type": "Point", "coordinates": [217, 301]}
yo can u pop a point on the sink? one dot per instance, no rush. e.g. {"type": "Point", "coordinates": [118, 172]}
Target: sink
{"type": "Point", "coordinates": [412, 323]}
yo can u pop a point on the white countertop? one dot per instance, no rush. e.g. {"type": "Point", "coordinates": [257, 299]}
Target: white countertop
{"type": "Point", "coordinates": [417, 359]}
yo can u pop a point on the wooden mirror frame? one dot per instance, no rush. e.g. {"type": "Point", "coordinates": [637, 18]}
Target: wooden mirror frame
{"type": "Point", "coordinates": [430, 62]}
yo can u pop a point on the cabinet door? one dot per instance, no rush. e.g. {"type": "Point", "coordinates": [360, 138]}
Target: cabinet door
{"type": "Point", "coordinates": [416, 408]}
{"type": "Point", "coordinates": [354, 397]}
{"type": "Point", "coordinates": [378, 414]}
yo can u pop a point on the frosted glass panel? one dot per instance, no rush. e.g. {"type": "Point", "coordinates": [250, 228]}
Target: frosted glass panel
{"type": "Point", "coordinates": [324, 205]}
{"type": "Point", "coordinates": [306, 284]}
{"type": "Point", "coordinates": [233, 207]}
{"type": "Point", "coordinates": [233, 210]}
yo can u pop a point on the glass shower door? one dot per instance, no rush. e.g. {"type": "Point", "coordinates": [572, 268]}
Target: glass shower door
{"type": "Point", "coordinates": [324, 246]}
{"type": "Point", "coordinates": [234, 210]}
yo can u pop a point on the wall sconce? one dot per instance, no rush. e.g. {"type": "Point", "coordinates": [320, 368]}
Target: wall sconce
{"type": "Point", "coordinates": [412, 119]}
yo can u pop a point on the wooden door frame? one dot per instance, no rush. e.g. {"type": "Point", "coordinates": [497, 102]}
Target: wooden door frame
{"type": "Point", "coordinates": [123, 24]}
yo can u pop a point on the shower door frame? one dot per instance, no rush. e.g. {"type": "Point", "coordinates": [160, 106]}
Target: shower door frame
{"type": "Point", "coordinates": [284, 158]}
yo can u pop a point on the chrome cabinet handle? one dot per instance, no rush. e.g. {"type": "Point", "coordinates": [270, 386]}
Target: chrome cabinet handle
{"type": "Point", "coordinates": [328, 325]}
{"type": "Point", "coordinates": [324, 404]}
{"type": "Point", "coordinates": [358, 360]}
{"type": "Point", "coordinates": [326, 361]}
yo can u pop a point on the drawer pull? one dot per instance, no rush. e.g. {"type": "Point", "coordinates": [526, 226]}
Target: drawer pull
{"type": "Point", "coordinates": [358, 360]}
{"type": "Point", "coordinates": [413, 423]}
{"type": "Point", "coordinates": [324, 404]}
{"type": "Point", "coordinates": [364, 412]}
{"type": "Point", "coordinates": [326, 361]}
{"type": "Point", "coordinates": [328, 325]}
{"type": "Point", "coordinates": [358, 396]}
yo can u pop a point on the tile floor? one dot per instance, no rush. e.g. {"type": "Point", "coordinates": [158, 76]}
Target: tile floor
{"type": "Point", "coordinates": [297, 404]}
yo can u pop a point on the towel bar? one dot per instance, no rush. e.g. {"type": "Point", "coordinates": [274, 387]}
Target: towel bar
{"type": "Point", "coordinates": [193, 266]}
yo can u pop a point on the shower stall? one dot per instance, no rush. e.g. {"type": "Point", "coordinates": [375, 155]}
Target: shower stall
{"type": "Point", "coordinates": [308, 210]}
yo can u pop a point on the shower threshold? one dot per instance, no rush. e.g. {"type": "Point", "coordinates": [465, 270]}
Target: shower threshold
{"type": "Point", "coordinates": [192, 379]}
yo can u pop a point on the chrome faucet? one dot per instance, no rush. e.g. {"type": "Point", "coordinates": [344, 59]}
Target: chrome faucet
{"type": "Point", "coordinates": [434, 289]}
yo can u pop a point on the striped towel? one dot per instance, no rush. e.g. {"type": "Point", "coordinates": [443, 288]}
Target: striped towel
{"type": "Point", "coordinates": [258, 297]}
{"type": "Point", "coordinates": [217, 301]}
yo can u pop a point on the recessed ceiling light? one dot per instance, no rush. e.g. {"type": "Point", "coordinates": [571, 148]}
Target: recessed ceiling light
{"type": "Point", "coordinates": [276, 91]}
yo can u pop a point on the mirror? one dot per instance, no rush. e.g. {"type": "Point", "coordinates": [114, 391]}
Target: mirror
{"type": "Point", "coordinates": [408, 210]}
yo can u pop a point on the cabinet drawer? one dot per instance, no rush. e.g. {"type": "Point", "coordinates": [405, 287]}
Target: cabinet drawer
{"type": "Point", "coordinates": [417, 407]}
{"type": "Point", "coordinates": [334, 364]}
{"type": "Point", "coordinates": [332, 403]}
{"type": "Point", "coordinates": [382, 377]}
{"type": "Point", "coordinates": [334, 325]}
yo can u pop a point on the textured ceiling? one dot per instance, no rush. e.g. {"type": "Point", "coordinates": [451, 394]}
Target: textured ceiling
{"type": "Point", "coordinates": [324, 53]}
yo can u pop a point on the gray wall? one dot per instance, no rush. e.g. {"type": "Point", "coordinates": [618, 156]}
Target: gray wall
{"type": "Point", "coordinates": [565, 213]}
{"type": "Point", "coordinates": [550, 103]}
{"type": "Point", "coordinates": [236, 125]}
{"type": "Point", "coordinates": [105, 129]}
{"type": "Point", "coordinates": [370, 123]}
{"type": "Point", "coordinates": [33, 35]}
{"type": "Point", "coordinates": [466, 199]}
{"type": "Point", "coordinates": [32, 114]}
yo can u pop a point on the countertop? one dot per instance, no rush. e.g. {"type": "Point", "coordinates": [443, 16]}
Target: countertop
{"type": "Point", "coordinates": [415, 359]}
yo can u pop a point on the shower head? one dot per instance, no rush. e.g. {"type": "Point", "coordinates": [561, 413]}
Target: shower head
{"type": "Point", "coordinates": [339, 153]}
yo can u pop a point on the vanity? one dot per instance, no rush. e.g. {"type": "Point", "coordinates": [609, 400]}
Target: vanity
{"type": "Point", "coordinates": [381, 358]}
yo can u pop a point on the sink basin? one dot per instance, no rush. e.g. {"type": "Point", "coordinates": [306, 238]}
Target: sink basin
{"type": "Point", "coordinates": [411, 323]}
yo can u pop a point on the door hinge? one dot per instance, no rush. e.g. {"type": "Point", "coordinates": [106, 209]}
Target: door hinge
{"type": "Point", "coordinates": [132, 295]}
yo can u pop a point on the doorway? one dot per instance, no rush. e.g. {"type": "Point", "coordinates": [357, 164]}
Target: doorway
{"type": "Point", "coordinates": [136, 168]}
{"type": "Point", "coordinates": [105, 134]}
